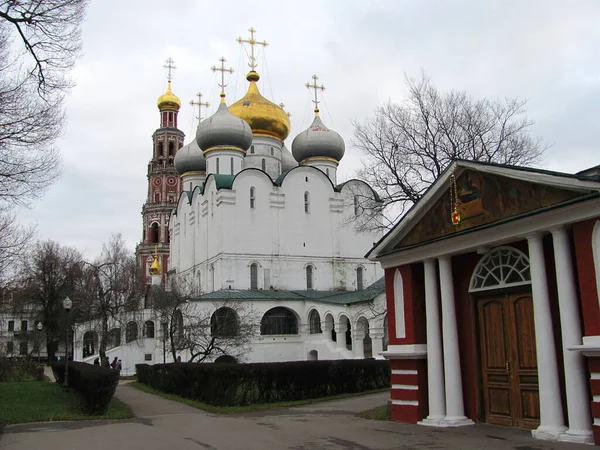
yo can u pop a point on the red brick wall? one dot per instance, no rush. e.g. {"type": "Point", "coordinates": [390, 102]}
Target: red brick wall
{"type": "Point", "coordinates": [594, 366]}
{"type": "Point", "coordinates": [586, 276]}
{"type": "Point", "coordinates": [409, 387]}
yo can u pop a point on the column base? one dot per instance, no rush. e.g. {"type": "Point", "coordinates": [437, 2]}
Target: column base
{"type": "Point", "coordinates": [431, 421]}
{"type": "Point", "coordinates": [578, 436]}
{"type": "Point", "coordinates": [548, 432]}
{"type": "Point", "coordinates": [456, 421]}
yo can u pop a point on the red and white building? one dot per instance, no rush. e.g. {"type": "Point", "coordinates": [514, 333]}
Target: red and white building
{"type": "Point", "coordinates": [492, 283]}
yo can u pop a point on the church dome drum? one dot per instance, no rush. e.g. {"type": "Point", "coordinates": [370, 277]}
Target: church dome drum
{"type": "Point", "coordinates": [223, 129]}
{"type": "Point", "coordinates": [318, 141]}
{"type": "Point", "coordinates": [190, 158]}
{"type": "Point", "coordinates": [263, 116]}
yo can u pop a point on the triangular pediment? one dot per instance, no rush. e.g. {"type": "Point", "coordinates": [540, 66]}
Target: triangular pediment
{"type": "Point", "coordinates": [485, 194]}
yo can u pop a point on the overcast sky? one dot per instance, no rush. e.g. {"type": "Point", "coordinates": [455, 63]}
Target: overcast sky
{"type": "Point", "coordinates": [547, 52]}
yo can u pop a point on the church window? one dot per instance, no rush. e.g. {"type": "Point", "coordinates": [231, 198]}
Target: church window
{"type": "Point", "coordinates": [224, 323]}
{"type": "Point", "coordinates": [10, 347]}
{"type": "Point", "coordinates": [149, 329]}
{"type": "Point", "coordinates": [306, 202]}
{"type": "Point", "coordinates": [131, 332]}
{"type": "Point", "coordinates": [502, 267]}
{"type": "Point", "coordinates": [171, 149]}
{"type": "Point", "coordinates": [89, 343]}
{"type": "Point", "coordinates": [177, 327]}
{"type": "Point", "coordinates": [252, 149]}
{"type": "Point", "coordinates": [154, 233]}
{"type": "Point", "coordinates": [217, 165]}
{"type": "Point", "coordinates": [279, 167]}
{"type": "Point", "coordinates": [359, 278]}
{"type": "Point", "coordinates": [231, 165]}
{"type": "Point", "coordinates": [254, 276]}
{"type": "Point", "coordinates": [309, 277]}
{"type": "Point", "coordinates": [279, 320]}
{"type": "Point", "coordinates": [314, 320]}
{"type": "Point", "coordinates": [272, 151]}
{"type": "Point", "coordinates": [356, 205]}
{"type": "Point", "coordinates": [252, 197]}
{"type": "Point", "coordinates": [263, 165]}
{"type": "Point", "coordinates": [23, 348]}
{"type": "Point", "coordinates": [114, 338]}
{"type": "Point", "coordinates": [157, 197]}
{"type": "Point", "coordinates": [160, 149]}
{"type": "Point", "coordinates": [327, 171]}
{"type": "Point", "coordinates": [11, 325]}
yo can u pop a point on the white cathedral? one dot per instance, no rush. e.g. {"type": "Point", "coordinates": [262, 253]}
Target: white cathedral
{"type": "Point", "coordinates": [258, 224]}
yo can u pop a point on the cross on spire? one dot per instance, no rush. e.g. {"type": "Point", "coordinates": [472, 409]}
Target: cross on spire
{"type": "Point", "coordinates": [316, 88]}
{"type": "Point", "coordinates": [252, 43]}
{"type": "Point", "coordinates": [200, 104]}
{"type": "Point", "coordinates": [170, 66]}
{"type": "Point", "coordinates": [222, 69]}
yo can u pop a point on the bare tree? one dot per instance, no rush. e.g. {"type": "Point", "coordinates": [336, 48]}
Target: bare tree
{"type": "Point", "coordinates": [202, 331]}
{"type": "Point", "coordinates": [50, 272]}
{"type": "Point", "coordinates": [108, 288]}
{"type": "Point", "coordinates": [409, 144]}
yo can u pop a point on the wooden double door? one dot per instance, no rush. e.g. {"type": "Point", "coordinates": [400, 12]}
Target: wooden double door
{"type": "Point", "coordinates": [508, 360]}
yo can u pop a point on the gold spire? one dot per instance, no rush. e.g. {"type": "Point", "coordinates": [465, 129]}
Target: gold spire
{"type": "Point", "coordinates": [155, 268]}
{"type": "Point", "coordinates": [200, 104]}
{"type": "Point", "coordinates": [316, 88]}
{"type": "Point", "coordinates": [252, 43]}
{"type": "Point", "coordinates": [222, 69]}
{"type": "Point", "coordinates": [169, 100]}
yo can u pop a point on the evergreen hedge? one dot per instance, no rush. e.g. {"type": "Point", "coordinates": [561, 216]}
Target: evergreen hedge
{"type": "Point", "coordinates": [245, 384]}
{"type": "Point", "coordinates": [96, 384]}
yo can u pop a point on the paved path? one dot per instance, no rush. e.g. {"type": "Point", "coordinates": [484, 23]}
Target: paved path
{"type": "Point", "coordinates": [167, 425]}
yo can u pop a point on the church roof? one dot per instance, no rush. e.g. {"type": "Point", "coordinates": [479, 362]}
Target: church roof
{"type": "Point", "coordinates": [331, 297]}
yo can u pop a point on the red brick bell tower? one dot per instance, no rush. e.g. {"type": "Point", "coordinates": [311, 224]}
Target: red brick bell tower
{"type": "Point", "coordinates": [164, 185]}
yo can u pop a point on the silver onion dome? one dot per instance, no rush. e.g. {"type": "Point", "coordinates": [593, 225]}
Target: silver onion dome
{"type": "Point", "coordinates": [318, 141]}
{"type": "Point", "coordinates": [190, 158]}
{"type": "Point", "coordinates": [223, 129]}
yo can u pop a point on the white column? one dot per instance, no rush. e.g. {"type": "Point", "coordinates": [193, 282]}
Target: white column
{"type": "Point", "coordinates": [455, 410]}
{"type": "Point", "coordinates": [340, 335]}
{"type": "Point", "coordinates": [578, 401]}
{"type": "Point", "coordinates": [376, 342]}
{"type": "Point", "coordinates": [551, 411]}
{"type": "Point", "coordinates": [435, 361]}
{"type": "Point", "coordinates": [358, 344]}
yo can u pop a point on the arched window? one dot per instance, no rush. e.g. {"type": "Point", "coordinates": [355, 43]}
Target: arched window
{"type": "Point", "coordinates": [171, 149]}
{"type": "Point", "coordinates": [159, 152]}
{"type": "Point", "coordinates": [217, 165]}
{"type": "Point", "coordinates": [149, 329]}
{"type": "Point", "coordinates": [131, 332]}
{"type": "Point", "coordinates": [252, 149]}
{"type": "Point", "coordinates": [153, 234]}
{"type": "Point", "coordinates": [272, 151]}
{"type": "Point", "coordinates": [502, 267]}
{"type": "Point", "coordinates": [252, 197]}
{"type": "Point", "coordinates": [224, 323]}
{"type": "Point", "coordinates": [327, 171]}
{"type": "Point", "coordinates": [306, 202]}
{"type": "Point", "coordinates": [114, 338]}
{"type": "Point", "coordinates": [314, 319]}
{"type": "Point", "coordinates": [279, 320]}
{"type": "Point", "coordinates": [90, 340]}
{"type": "Point", "coordinates": [231, 165]}
{"type": "Point", "coordinates": [359, 278]}
{"type": "Point", "coordinates": [177, 327]}
{"type": "Point", "coordinates": [263, 165]}
{"type": "Point", "coordinates": [254, 276]}
{"type": "Point", "coordinates": [356, 205]}
{"type": "Point", "coordinates": [157, 197]}
{"type": "Point", "coordinates": [309, 277]}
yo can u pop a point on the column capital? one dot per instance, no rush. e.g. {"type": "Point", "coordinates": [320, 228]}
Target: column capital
{"type": "Point", "coordinates": [444, 258]}
{"type": "Point", "coordinates": [559, 229]}
{"type": "Point", "coordinates": [534, 237]}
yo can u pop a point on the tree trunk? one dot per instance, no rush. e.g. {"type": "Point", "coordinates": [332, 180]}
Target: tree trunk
{"type": "Point", "coordinates": [103, 342]}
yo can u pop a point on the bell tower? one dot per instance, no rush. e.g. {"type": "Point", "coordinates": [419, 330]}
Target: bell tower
{"type": "Point", "coordinates": [164, 186]}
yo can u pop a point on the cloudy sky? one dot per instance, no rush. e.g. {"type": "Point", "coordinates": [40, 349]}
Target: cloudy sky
{"type": "Point", "coordinates": [547, 52]}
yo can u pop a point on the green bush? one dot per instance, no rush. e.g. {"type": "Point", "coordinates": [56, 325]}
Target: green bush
{"type": "Point", "coordinates": [96, 384]}
{"type": "Point", "coordinates": [245, 384]}
{"type": "Point", "coordinates": [15, 369]}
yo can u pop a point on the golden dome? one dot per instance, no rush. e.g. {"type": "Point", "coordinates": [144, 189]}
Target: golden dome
{"type": "Point", "coordinates": [263, 116]}
{"type": "Point", "coordinates": [155, 267]}
{"type": "Point", "coordinates": [168, 100]}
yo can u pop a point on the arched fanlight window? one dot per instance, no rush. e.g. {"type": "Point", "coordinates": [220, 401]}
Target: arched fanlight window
{"type": "Point", "coordinates": [254, 276]}
{"type": "Point", "coordinates": [224, 323]}
{"type": "Point", "coordinates": [359, 278]}
{"type": "Point", "coordinates": [309, 277]}
{"type": "Point", "coordinates": [314, 319]}
{"type": "Point", "coordinates": [252, 197]}
{"type": "Point", "coordinates": [279, 320]}
{"type": "Point", "coordinates": [306, 202]}
{"type": "Point", "coordinates": [500, 268]}
{"type": "Point", "coordinates": [149, 329]}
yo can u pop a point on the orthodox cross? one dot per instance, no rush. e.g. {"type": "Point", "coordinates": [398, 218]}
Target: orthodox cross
{"type": "Point", "coordinates": [252, 43]}
{"type": "Point", "coordinates": [222, 69]}
{"type": "Point", "coordinates": [200, 104]}
{"type": "Point", "coordinates": [170, 66]}
{"type": "Point", "coordinates": [281, 105]}
{"type": "Point", "coordinates": [316, 88]}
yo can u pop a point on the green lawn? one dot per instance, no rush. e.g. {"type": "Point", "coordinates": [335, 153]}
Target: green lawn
{"type": "Point", "coordinates": [40, 401]}
{"type": "Point", "coordinates": [379, 413]}
{"type": "Point", "coordinates": [248, 408]}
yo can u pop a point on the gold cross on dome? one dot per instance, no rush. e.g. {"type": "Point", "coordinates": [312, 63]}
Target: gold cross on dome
{"type": "Point", "coordinates": [252, 43]}
{"type": "Point", "coordinates": [200, 104]}
{"type": "Point", "coordinates": [170, 66]}
{"type": "Point", "coordinates": [222, 69]}
{"type": "Point", "coordinates": [316, 88]}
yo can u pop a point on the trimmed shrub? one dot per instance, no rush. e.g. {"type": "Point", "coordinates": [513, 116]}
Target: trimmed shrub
{"type": "Point", "coordinates": [14, 369]}
{"type": "Point", "coordinates": [96, 384]}
{"type": "Point", "coordinates": [244, 384]}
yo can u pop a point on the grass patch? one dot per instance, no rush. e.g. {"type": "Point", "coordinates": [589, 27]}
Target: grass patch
{"type": "Point", "coordinates": [379, 413]}
{"type": "Point", "coordinates": [39, 401]}
{"type": "Point", "coordinates": [247, 408]}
